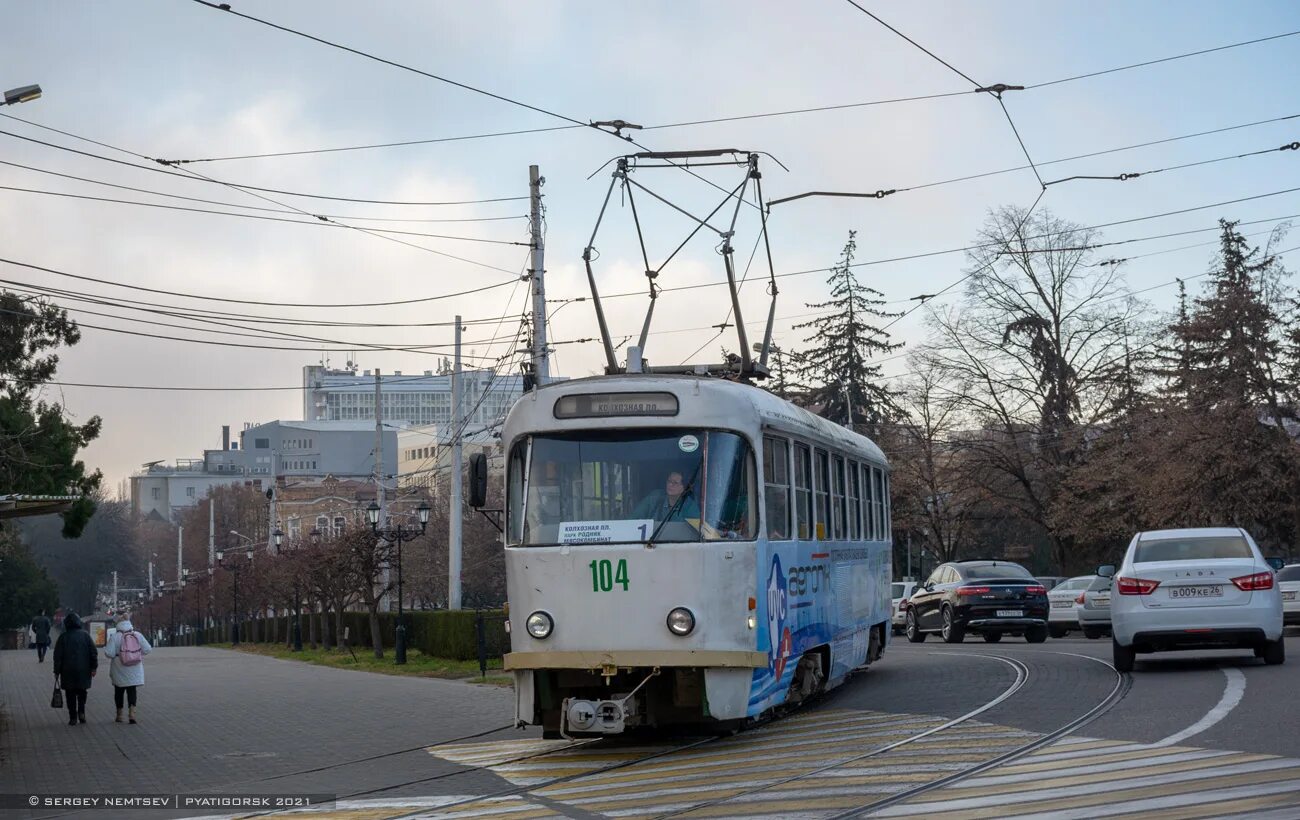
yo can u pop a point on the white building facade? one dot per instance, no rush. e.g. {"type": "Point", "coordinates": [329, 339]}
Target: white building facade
{"type": "Point", "coordinates": [409, 398]}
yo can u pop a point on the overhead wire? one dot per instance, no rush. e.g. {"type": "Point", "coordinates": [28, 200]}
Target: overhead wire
{"type": "Point", "coordinates": [252, 207]}
{"type": "Point", "coordinates": [249, 190]}
{"type": "Point", "coordinates": [226, 299]}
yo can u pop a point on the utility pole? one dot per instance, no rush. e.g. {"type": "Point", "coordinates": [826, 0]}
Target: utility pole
{"type": "Point", "coordinates": [180, 558]}
{"type": "Point", "coordinates": [114, 592]}
{"type": "Point", "coordinates": [379, 477]}
{"type": "Point", "coordinates": [541, 358]}
{"type": "Point", "coordinates": [151, 580]}
{"type": "Point", "coordinates": [272, 510]}
{"type": "Point", "coordinates": [453, 535]}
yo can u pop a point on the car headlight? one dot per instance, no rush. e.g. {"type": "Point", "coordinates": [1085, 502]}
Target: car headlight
{"type": "Point", "coordinates": [539, 625]}
{"type": "Point", "coordinates": [681, 621]}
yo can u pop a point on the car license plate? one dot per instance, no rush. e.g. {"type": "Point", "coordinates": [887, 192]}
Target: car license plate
{"type": "Point", "coordinates": [1198, 591]}
{"type": "Point", "coordinates": [1011, 613]}
{"type": "Point", "coordinates": [1062, 604]}
{"type": "Point", "coordinates": [1102, 600]}
{"type": "Point", "coordinates": [1288, 596]}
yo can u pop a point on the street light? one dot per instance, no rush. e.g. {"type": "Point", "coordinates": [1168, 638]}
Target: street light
{"type": "Point", "coordinates": [26, 93]}
{"type": "Point", "coordinates": [396, 535]}
{"type": "Point", "coordinates": [234, 567]}
{"type": "Point", "coordinates": [278, 538]}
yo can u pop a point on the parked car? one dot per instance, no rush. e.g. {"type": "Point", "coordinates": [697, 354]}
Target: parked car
{"type": "Point", "coordinates": [1050, 581]}
{"type": "Point", "coordinates": [992, 598]}
{"type": "Point", "coordinates": [900, 591]}
{"type": "Point", "coordinates": [1288, 581]}
{"type": "Point", "coordinates": [1193, 589]}
{"type": "Point", "coordinates": [1093, 608]}
{"type": "Point", "coordinates": [1063, 599]}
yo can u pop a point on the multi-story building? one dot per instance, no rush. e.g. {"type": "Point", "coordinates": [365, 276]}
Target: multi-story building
{"type": "Point", "coordinates": [279, 449]}
{"type": "Point", "coordinates": [416, 399]}
{"type": "Point", "coordinates": [425, 453]}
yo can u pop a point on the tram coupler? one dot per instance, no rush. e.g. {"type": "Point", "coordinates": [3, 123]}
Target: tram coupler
{"type": "Point", "coordinates": [607, 716]}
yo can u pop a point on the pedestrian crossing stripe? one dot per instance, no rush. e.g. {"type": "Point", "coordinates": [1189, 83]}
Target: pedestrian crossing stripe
{"type": "Point", "coordinates": [1077, 778]}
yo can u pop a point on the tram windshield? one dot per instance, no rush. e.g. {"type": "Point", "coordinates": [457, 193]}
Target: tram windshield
{"type": "Point", "coordinates": [619, 486]}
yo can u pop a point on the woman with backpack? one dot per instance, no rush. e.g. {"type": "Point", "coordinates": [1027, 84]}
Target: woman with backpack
{"type": "Point", "coordinates": [127, 648]}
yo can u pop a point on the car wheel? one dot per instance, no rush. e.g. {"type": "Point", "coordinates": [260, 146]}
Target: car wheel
{"type": "Point", "coordinates": [1036, 634]}
{"type": "Point", "coordinates": [1122, 656]}
{"type": "Point", "coordinates": [1274, 652]}
{"type": "Point", "coordinates": [1091, 633]}
{"type": "Point", "coordinates": [953, 632]}
{"type": "Point", "coordinates": [1057, 631]}
{"type": "Point", "coordinates": [913, 629]}
{"type": "Point", "coordinates": [992, 637]}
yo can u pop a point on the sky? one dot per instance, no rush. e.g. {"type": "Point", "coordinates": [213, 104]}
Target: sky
{"type": "Point", "coordinates": [179, 80]}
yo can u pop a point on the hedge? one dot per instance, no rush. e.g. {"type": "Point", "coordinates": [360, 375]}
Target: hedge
{"type": "Point", "coordinates": [439, 633]}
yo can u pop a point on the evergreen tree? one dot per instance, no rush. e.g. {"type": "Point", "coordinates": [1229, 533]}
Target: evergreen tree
{"type": "Point", "coordinates": [837, 367]}
{"type": "Point", "coordinates": [38, 443]}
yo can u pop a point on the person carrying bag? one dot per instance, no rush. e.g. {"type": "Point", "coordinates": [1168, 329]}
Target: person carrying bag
{"type": "Point", "coordinates": [75, 662]}
{"type": "Point", "coordinates": [127, 648]}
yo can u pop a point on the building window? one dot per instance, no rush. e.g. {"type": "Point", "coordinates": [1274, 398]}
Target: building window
{"type": "Point", "coordinates": [262, 443]}
{"type": "Point", "coordinates": [323, 525]}
{"type": "Point", "coordinates": [189, 492]}
{"type": "Point", "coordinates": [156, 493]}
{"type": "Point", "coordinates": [295, 529]}
{"type": "Point", "coordinates": [339, 522]}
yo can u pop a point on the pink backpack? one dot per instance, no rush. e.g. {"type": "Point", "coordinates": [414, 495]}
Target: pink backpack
{"type": "Point", "coordinates": [130, 652]}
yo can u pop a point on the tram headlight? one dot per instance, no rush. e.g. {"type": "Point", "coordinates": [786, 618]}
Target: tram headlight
{"type": "Point", "coordinates": [539, 625]}
{"type": "Point", "coordinates": [681, 621]}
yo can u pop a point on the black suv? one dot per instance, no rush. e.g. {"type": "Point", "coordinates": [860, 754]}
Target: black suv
{"type": "Point", "coordinates": [989, 597]}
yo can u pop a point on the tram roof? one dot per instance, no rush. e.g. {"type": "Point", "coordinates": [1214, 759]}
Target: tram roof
{"type": "Point", "coordinates": [771, 410]}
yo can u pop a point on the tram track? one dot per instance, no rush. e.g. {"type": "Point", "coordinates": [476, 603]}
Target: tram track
{"type": "Point", "coordinates": [1022, 677]}
{"type": "Point", "coordinates": [561, 780]}
{"type": "Point", "coordinates": [1123, 683]}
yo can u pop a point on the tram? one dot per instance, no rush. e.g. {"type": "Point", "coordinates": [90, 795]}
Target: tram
{"type": "Point", "coordinates": [685, 551]}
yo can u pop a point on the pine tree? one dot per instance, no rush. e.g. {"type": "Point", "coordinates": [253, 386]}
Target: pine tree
{"type": "Point", "coordinates": [837, 367]}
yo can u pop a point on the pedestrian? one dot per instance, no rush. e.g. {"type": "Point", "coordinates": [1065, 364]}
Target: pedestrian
{"type": "Point", "coordinates": [76, 660]}
{"type": "Point", "coordinates": [41, 635]}
{"type": "Point", "coordinates": [127, 648]}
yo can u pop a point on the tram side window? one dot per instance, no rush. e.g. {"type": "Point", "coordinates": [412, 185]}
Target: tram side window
{"type": "Point", "coordinates": [855, 495]}
{"type": "Point", "coordinates": [889, 507]}
{"type": "Point", "coordinates": [822, 494]}
{"type": "Point", "coordinates": [837, 498]}
{"type": "Point", "coordinates": [878, 505]}
{"type": "Point", "coordinates": [803, 490]}
{"type": "Point", "coordinates": [731, 498]}
{"type": "Point", "coordinates": [868, 522]}
{"type": "Point", "coordinates": [515, 493]}
{"type": "Point", "coordinates": [776, 487]}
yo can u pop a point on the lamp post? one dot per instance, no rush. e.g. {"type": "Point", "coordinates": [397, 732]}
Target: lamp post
{"type": "Point", "coordinates": [26, 93]}
{"type": "Point", "coordinates": [278, 537]}
{"type": "Point", "coordinates": [396, 535]}
{"type": "Point", "coordinates": [234, 566]}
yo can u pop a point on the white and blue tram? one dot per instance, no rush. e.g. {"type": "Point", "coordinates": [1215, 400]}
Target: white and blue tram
{"type": "Point", "coordinates": [686, 551]}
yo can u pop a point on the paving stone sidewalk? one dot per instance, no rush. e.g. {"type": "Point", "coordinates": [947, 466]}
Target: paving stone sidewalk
{"type": "Point", "coordinates": [218, 720]}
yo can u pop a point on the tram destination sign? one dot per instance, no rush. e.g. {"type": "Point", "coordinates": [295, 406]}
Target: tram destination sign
{"type": "Point", "coordinates": [600, 405]}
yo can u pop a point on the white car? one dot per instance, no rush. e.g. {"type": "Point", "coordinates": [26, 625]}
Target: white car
{"type": "Point", "coordinates": [1288, 580]}
{"type": "Point", "coordinates": [1063, 600]}
{"type": "Point", "coordinates": [900, 591]}
{"type": "Point", "coordinates": [1094, 608]}
{"type": "Point", "coordinates": [1195, 588]}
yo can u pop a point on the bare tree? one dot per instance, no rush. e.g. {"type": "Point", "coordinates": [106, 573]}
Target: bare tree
{"type": "Point", "coordinates": [1030, 352]}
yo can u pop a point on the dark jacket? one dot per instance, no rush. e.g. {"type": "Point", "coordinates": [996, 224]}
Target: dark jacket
{"type": "Point", "coordinates": [75, 655]}
{"type": "Point", "coordinates": [41, 628]}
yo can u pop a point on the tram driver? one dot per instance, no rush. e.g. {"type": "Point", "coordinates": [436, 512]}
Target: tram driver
{"type": "Point", "coordinates": [669, 504]}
